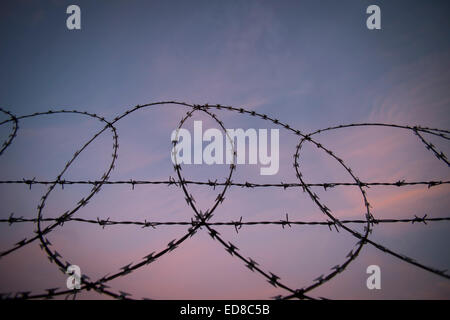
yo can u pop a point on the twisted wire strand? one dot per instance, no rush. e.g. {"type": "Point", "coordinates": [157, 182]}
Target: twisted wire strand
{"type": "Point", "coordinates": [172, 182]}
{"type": "Point", "coordinates": [237, 224]}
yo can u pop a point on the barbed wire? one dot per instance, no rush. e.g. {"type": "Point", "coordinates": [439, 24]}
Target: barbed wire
{"type": "Point", "coordinates": [201, 220]}
{"type": "Point", "coordinates": [13, 133]}
{"type": "Point", "coordinates": [172, 182]}
{"type": "Point", "coordinates": [237, 224]}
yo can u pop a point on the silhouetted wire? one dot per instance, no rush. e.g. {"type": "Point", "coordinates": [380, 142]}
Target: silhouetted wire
{"type": "Point", "coordinates": [201, 219]}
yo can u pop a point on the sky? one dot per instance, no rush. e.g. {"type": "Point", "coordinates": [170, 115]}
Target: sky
{"type": "Point", "coordinates": [311, 64]}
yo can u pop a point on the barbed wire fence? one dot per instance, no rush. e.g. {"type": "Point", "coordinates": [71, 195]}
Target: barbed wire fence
{"type": "Point", "coordinates": [201, 220]}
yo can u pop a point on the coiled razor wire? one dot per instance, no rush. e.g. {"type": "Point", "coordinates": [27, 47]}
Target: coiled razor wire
{"type": "Point", "coordinates": [201, 219]}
